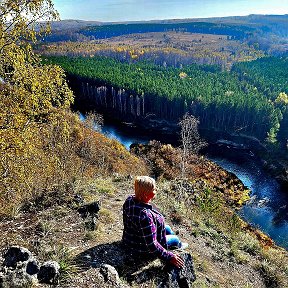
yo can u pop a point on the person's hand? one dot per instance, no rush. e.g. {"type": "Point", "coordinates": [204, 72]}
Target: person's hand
{"type": "Point", "coordinates": [177, 261]}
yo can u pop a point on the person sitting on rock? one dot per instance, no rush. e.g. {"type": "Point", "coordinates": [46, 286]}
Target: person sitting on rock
{"type": "Point", "coordinates": [144, 227]}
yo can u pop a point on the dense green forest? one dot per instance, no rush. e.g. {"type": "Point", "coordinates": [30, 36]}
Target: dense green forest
{"type": "Point", "coordinates": [268, 74]}
{"type": "Point", "coordinates": [111, 30]}
{"type": "Point", "coordinates": [107, 31]}
{"type": "Point", "coordinates": [270, 77]}
{"type": "Point", "coordinates": [222, 100]}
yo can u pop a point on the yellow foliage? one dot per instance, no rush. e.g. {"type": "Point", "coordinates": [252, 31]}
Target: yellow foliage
{"type": "Point", "coordinates": [43, 146]}
{"type": "Point", "coordinates": [52, 155]}
{"type": "Point", "coordinates": [282, 98]}
{"type": "Point", "coordinates": [134, 56]}
{"type": "Point", "coordinates": [182, 75]}
{"type": "Point", "coordinates": [244, 197]}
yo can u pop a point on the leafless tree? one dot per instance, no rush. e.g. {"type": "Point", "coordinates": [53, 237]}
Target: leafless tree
{"type": "Point", "coordinates": [94, 121]}
{"type": "Point", "coordinates": [190, 138]}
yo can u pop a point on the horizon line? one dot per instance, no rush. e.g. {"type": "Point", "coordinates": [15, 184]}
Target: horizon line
{"type": "Point", "coordinates": [167, 19]}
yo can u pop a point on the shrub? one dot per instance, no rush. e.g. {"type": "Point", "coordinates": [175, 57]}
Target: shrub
{"type": "Point", "coordinates": [249, 243]}
{"type": "Point", "coordinates": [51, 156]}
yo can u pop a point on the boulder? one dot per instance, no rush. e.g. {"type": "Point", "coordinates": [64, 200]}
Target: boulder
{"type": "Point", "coordinates": [19, 268]}
{"type": "Point", "coordinates": [49, 272]}
{"type": "Point", "coordinates": [17, 278]}
{"type": "Point", "coordinates": [110, 275]}
{"type": "Point", "coordinates": [180, 278]}
{"type": "Point", "coordinates": [16, 254]}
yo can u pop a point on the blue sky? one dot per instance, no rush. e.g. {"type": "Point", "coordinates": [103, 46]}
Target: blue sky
{"type": "Point", "coordinates": [133, 10]}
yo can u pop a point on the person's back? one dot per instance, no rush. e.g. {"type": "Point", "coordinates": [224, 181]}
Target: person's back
{"type": "Point", "coordinates": [144, 227]}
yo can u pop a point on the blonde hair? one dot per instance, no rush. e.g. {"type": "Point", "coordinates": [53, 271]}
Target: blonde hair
{"type": "Point", "coordinates": [142, 185]}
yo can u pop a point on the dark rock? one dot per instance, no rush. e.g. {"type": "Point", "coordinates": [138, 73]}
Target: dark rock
{"type": "Point", "coordinates": [16, 254]}
{"type": "Point", "coordinates": [110, 274]}
{"type": "Point", "coordinates": [89, 209]}
{"type": "Point", "coordinates": [19, 268]}
{"type": "Point", "coordinates": [110, 277]}
{"type": "Point", "coordinates": [129, 177]}
{"type": "Point", "coordinates": [32, 267]}
{"type": "Point", "coordinates": [49, 272]}
{"type": "Point", "coordinates": [180, 278]}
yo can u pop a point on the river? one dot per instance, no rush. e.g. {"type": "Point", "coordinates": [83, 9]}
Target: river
{"type": "Point", "coordinates": [268, 207]}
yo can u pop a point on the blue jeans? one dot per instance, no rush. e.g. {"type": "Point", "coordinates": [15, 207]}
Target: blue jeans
{"type": "Point", "coordinates": [171, 238]}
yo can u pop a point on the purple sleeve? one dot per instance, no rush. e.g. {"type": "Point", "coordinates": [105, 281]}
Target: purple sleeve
{"type": "Point", "coordinates": [149, 234]}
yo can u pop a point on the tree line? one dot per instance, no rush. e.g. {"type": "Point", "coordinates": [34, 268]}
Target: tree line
{"type": "Point", "coordinates": [238, 32]}
{"type": "Point", "coordinates": [164, 49]}
{"type": "Point", "coordinates": [219, 99]}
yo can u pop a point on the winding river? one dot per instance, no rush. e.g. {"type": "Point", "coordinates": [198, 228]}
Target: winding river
{"type": "Point", "coordinates": [268, 207]}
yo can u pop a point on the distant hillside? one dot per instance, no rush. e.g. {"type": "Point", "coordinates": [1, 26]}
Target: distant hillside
{"type": "Point", "coordinates": [71, 24]}
{"type": "Point", "coordinates": [250, 19]}
{"type": "Point", "coordinates": [266, 32]}
{"type": "Point", "coordinates": [92, 32]}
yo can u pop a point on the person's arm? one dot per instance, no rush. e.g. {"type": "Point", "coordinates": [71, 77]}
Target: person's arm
{"type": "Point", "coordinates": [149, 234]}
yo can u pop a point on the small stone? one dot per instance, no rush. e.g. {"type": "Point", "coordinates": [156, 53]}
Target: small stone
{"type": "Point", "coordinates": [78, 199]}
{"type": "Point", "coordinates": [32, 267]}
{"type": "Point", "coordinates": [49, 272]}
{"type": "Point", "coordinates": [89, 209]}
{"type": "Point", "coordinates": [88, 257]}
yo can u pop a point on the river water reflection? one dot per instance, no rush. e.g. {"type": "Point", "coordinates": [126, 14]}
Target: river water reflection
{"type": "Point", "coordinates": [268, 207]}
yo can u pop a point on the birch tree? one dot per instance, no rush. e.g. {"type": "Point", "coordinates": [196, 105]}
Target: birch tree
{"type": "Point", "coordinates": [191, 140]}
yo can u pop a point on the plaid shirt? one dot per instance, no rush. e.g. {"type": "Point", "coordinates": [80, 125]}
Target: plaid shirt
{"type": "Point", "coordinates": [144, 229]}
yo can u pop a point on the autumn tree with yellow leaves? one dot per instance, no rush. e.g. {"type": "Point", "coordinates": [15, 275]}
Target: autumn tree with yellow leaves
{"type": "Point", "coordinates": [43, 145]}
{"type": "Point", "coordinates": [30, 95]}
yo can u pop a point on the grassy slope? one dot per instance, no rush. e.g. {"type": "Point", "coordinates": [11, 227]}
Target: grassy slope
{"type": "Point", "coordinates": [225, 252]}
